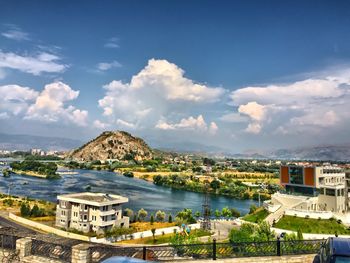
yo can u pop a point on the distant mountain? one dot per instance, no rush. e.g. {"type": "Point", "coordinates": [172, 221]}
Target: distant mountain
{"type": "Point", "coordinates": [113, 145]}
{"type": "Point", "coordinates": [192, 147]}
{"type": "Point", "coordinates": [26, 142]}
{"type": "Point", "coordinates": [321, 152]}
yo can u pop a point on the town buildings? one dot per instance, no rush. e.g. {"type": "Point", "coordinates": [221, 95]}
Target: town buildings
{"type": "Point", "coordinates": [88, 212]}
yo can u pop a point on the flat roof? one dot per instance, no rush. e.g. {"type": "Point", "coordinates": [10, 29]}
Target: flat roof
{"type": "Point", "coordinates": [97, 199]}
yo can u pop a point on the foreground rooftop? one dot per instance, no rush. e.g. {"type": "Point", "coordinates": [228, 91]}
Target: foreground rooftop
{"type": "Point", "coordinates": [94, 198]}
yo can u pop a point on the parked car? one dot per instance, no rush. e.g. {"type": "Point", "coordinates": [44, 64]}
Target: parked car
{"type": "Point", "coordinates": [335, 250]}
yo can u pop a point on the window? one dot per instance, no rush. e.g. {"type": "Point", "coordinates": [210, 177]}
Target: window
{"type": "Point", "coordinates": [63, 213]}
{"type": "Point", "coordinates": [296, 175]}
{"type": "Point", "coordinates": [85, 217]}
{"type": "Point", "coordinates": [330, 192]}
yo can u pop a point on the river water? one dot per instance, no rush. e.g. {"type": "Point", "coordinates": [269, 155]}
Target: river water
{"type": "Point", "coordinates": [141, 194]}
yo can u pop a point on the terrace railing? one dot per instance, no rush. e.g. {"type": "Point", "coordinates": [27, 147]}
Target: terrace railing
{"type": "Point", "coordinates": [209, 250]}
{"type": "Point", "coordinates": [51, 250]}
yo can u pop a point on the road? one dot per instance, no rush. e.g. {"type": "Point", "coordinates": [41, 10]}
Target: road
{"type": "Point", "coordinates": [4, 222]}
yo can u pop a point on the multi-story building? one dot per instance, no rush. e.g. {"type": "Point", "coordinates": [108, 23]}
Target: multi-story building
{"type": "Point", "coordinates": [327, 183]}
{"type": "Point", "coordinates": [90, 211]}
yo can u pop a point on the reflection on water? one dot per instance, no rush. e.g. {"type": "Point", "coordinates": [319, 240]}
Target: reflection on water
{"type": "Point", "coordinates": [141, 194]}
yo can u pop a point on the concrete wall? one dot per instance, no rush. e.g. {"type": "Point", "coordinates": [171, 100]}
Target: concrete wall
{"type": "Point", "coordinates": [311, 214]}
{"type": "Point", "coordinates": [46, 228]}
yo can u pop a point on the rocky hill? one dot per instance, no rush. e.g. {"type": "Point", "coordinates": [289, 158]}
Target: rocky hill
{"type": "Point", "coordinates": [113, 145]}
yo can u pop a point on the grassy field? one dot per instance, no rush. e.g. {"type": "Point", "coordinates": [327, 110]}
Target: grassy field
{"type": "Point", "coordinates": [256, 217]}
{"type": "Point", "coordinates": [316, 226]}
{"type": "Point", "coordinates": [144, 226]}
{"type": "Point", "coordinates": [163, 239]}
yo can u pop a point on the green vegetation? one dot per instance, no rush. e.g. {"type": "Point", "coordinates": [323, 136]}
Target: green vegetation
{"type": "Point", "coordinates": [250, 233]}
{"type": "Point", "coordinates": [308, 225]}
{"type": "Point", "coordinates": [256, 216]}
{"type": "Point", "coordinates": [118, 231]}
{"type": "Point", "coordinates": [6, 172]}
{"type": "Point", "coordinates": [226, 185]}
{"type": "Point", "coordinates": [185, 217]}
{"type": "Point", "coordinates": [35, 211]}
{"type": "Point", "coordinates": [48, 169]}
{"type": "Point", "coordinates": [128, 174]}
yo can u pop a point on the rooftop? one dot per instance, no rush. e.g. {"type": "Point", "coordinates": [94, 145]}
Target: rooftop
{"type": "Point", "coordinates": [93, 198]}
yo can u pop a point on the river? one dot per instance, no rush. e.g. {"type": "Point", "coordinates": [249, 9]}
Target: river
{"type": "Point", "coordinates": [141, 194]}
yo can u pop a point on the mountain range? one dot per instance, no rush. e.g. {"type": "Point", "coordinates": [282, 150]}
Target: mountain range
{"type": "Point", "coordinates": [339, 152]}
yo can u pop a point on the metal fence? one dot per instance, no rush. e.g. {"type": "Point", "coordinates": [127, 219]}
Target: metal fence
{"type": "Point", "coordinates": [62, 251]}
{"type": "Point", "coordinates": [209, 250]}
{"type": "Point", "coordinates": [51, 250]}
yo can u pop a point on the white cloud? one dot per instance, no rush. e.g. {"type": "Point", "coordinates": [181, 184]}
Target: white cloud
{"type": "Point", "coordinates": [15, 99]}
{"type": "Point", "coordinates": [160, 89]}
{"type": "Point", "coordinates": [50, 106]}
{"type": "Point", "coordinates": [36, 65]}
{"type": "Point", "coordinates": [309, 105]}
{"type": "Point", "coordinates": [254, 128]}
{"type": "Point", "coordinates": [15, 33]}
{"type": "Point", "coordinates": [112, 43]}
{"type": "Point", "coordinates": [4, 115]}
{"type": "Point", "coordinates": [191, 123]}
{"type": "Point", "coordinates": [100, 125]}
{"type": "Point", "coordinates": [103, 66]}
{"type": "Point", "coordinates": [125, 124]}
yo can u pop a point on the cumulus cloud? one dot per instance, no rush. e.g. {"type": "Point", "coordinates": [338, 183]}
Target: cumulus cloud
{"type": "Point", "coordinates": [191, 123]}
{"type": "Point", "coordinates": [15, 33]}
{"type": "Point", "coordinates": [125, 124]}
{"type": "Point", "coordinates": [100, 125]}
{"type": "Point", "coordinates": [36, 65]}
{"type": "Point", "coordinates": [158, 90]}
{"type": "Point", "coordinates": [15, 99]}
{"type": "Point", "coordinates": [103, 66]}
{"type": "Point", "coordinates": [308, 105]}
{"type": "Point", "coordinates": [50, 106]}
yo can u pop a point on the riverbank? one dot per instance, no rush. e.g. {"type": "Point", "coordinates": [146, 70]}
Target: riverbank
{"type": "Point", "coordinates": [29, 173]}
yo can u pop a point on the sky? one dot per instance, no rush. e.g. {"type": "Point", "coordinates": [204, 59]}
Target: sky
{"type": "Point", "coordinates": [236, 75]}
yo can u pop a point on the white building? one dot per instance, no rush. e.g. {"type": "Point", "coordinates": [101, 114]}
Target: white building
{"type": "Point", "coordinates": [88, 212]}
{"type": "Point", "coordinates": [313, 191]}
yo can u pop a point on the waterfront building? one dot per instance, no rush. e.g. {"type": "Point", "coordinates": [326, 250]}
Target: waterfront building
{"type": "Point", "coordinates": [88, 212]}
{"type": "Point", "coordinates": [312, 191]}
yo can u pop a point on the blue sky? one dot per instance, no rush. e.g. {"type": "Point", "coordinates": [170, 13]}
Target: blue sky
{"type": "Point", "coordinates": [239, 75]}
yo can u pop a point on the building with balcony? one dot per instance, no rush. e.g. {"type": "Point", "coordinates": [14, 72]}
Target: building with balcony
{"type": "Point", "coordinates": [88, 212]}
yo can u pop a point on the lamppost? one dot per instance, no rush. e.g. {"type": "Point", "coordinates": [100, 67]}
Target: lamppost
{"type": "Point", "coordinates": [8, 190]}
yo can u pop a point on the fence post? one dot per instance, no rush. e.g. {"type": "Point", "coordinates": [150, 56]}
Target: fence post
{"type": "Point", "coordinates": [144, 253]}
{"type": "Point", "coordinates": [214, 249]}
{"type": "Point", "coordinates": [278, 246]}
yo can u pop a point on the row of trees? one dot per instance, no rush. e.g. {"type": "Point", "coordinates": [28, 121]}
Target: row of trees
{"type": "Point", "coordinates": [35, 211]}
{"type": "Point", "coordinates": [142, 214]}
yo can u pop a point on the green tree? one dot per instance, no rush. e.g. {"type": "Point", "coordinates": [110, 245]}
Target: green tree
{"type": "Point", "coordinates": [300, 234]}
{"type": "Point", "coordinates": [197, 214]}
{"type": "Point", "coordinates": [152, 219]}
{"type": "Point", "coordinates": [235, 212]}
{"type": "Point", "coordinates": [215, 184]}
{"type": "Point", "coordinates": [226, 212]}
{"type": "Point", "coordinates": [153, 230]}
{"type": "Point", "coordinates": [25, 210]}
{"type": "Point", "coordinates": [35, 212]}
{"type": "Point", "coordinates": [128, 212]}
{"type": "Point", "coordinates": [186, 216]}
{"type": "Point", "coordinates": [142, 214]}
{"type": "Point", "coordinates": [252, 209]}
{"type": "Point", "coordinates": [160, 216]}
{"type": "Point", "coordinates": [170, 218]}
{"type": "Point", "coordinates": [217, 213]}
